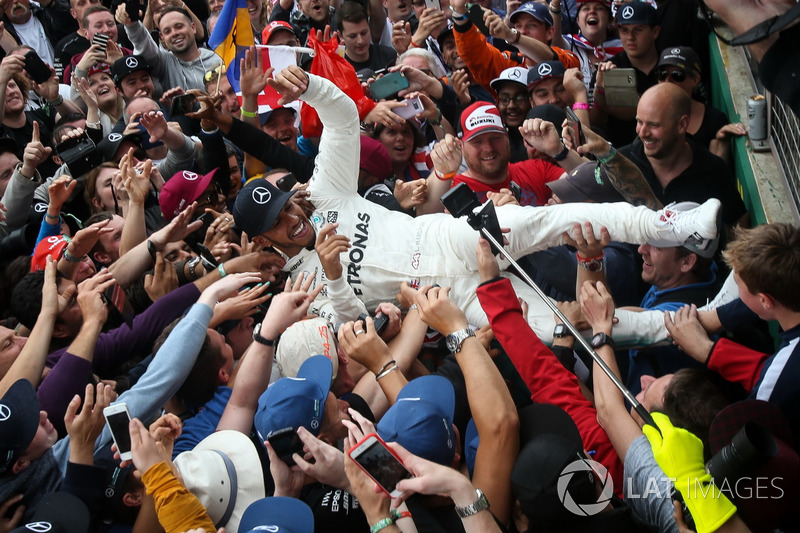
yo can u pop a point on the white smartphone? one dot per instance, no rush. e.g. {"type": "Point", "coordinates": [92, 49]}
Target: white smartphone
{"type": "Point", "coordinates": [434, 4]}
{"type": "Point", "coordinates": [118, 419]}
{"type": "Point", "coordinates": [380, 463]}
{"type": "Point", "coordinates": [412, 108]}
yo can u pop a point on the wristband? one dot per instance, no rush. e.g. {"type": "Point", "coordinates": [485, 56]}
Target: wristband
{"type": "Point", "coordinates": [57, 102]}
{"type": "Point", "coordinates": [589, 259]}
{"type": "Point", "coordinates": [397, 515]}
{"type": "Point", "coordinates": [438, 120]}
{"type": "Point", "coordinates": [444, 177]}
{"type": "Point", "coordinates": [608, 156]}
{"type": "Point", "coordinates": [599, 90]}
{"type": "Point", "coordinates": [52, 217]}
{"type": "Point", "coordinates": [221, 270]}
{"type": "Point", "coordinates": [248, 114]}
{"type": "Point", "coordinates": [71, 258]}
{"type": "Point", "coordinates": [562, 155]}
{"type": "Point", "coordinates": [412, 307]}
{"type": "Point", "coordinates": [386, 372]}
{"type": "Point", "coordinates": [387, 365]}
{"type": "Point", "coordinates": [580, 105]}
{"type": "Point", "coordinates": [554, 11]}
{"type": "Point", "coordinates": [93, 125]}
{"type": "Point", "coordinates": [381, 524]}
{"type": "Point", "coordinates": [413, 45]}
{"type": "Point", "coordinates": [459, 16]}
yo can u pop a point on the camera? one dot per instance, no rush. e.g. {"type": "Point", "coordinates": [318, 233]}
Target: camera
{"type": "Point", "coordinates": [80, 154]}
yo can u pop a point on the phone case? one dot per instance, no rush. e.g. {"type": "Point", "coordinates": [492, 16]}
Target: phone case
{"type": "Point", "coordinates": [380, 442]}
{"type": "Point", "coordinates": [620, 87]}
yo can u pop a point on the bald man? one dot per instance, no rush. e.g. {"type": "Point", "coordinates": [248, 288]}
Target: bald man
{"type": "Point", "coordinates": [676, 168]}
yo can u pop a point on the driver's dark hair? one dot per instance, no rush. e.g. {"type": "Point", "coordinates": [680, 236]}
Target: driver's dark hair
{"type": "Point", "coordinates": [26, 298]}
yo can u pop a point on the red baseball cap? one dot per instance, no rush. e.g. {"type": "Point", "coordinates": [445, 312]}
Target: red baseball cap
{"type": "Point", "coordinates": [272, 27]}
{"type": "Point", "coordinates": [52, 246]}
{"type": "Point", "coordinates": [480, 118]}
{"type": "Point", "coordinates": [181, 190]}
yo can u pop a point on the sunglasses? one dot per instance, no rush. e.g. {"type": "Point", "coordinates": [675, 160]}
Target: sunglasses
{"type": "Point", "coordinates": [676, 76]}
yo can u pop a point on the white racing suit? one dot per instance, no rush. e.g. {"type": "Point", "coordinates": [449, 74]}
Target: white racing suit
{"type": "Point", "coordinates": [388, 247]}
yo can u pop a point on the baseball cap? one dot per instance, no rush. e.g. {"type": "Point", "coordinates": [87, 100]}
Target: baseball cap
{"type": "Point", "coordinates": [298, 401]}
{"type": "Point", "coordinates": [708, 249]}
{"type": "Point", "coordinates": [421, 420]}
{"type": "Point", "coordinates": [305, 339]}
{"type": "Point", "coordinates": [581, 185]}
{"type": "Point", "coordinates": [52, 246]}
{"type": "Point", "coordinates": [264, 117]}
{"type": "Point", "coordinates": [224, 472]}
{"type": "Point", "coordinates": [110, 144]}
{"type": "Point", "coordinates": [183, 188]}
{"type": "Point", "coordinates": [537, 10]}
{"type": "Point", "coordinates": [258, 205]}
{"type": "Point", "coordinates": [480, 118]}
{"type": "Point", "coordinates": [544, 71]}
{"type": "Point", "coordinates": [512, 74]}
{"type": "Point", "coordinates": [128, 65]}
{"type": "Point", "coordinates": [605, 3]}
{"type": "Point", "coordinates": [682, 57]}
{"type": "Point", "coordinates": [19, 420]}
{"type": "Point", "coordinates": [375, 159]}
{"type": "Point", "coordinates": [274, 26]}
{"type": "Point", "coordinates": [637, 12]}
{"type": "Point", "coordinates": [766, 496]}
{"type": "Point", "coordinates": [278, 514]}
{"type": "Point", "coordinates": [98, 67]}
{"type": "Point", "coordinates": [58, 512]}
{"type": "Point", "coordinates": [549, 441]}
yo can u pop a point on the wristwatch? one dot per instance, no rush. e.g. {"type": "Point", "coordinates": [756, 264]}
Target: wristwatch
{"type": "Point", "coordinates": [259, 339]}
{"type": "Point", "coordinates": [592, 265]}
{"type": "Point", "coordinates": [601, 339]}
{"type": "Point", "coordinates": [561, 331]}
{"type": "Point", "coordinates": [481, 504]}
{"type": "Point", "coordinates": [457, 338]}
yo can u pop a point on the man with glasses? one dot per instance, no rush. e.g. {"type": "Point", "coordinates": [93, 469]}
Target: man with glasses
{"type": "Point", "coordinates": [513, 103]}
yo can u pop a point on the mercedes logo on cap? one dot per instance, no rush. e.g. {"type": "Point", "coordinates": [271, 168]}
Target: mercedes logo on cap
{"type": "Point", "coordinates": [261, 195]}
{"type": "Point", "coordinates": [675, 51]}
{"type": "Point", "coordinates": [544, 70]}
{"type": "Point", "coordinates": [131, 62]}
{"type": "Point", "coordinates": [40, 207]}
{"type": "Point", "coordinates": [5, 412]}
{"type": "Point", "coordinates": [114, 137]}
{"type": "Point", "coordinates": [39, 527]}
{"type": "Point", "coordinates": [189, 176]}
{"type": "Point", "coordinates": [514, 74]}
{"type": "Point", "coordinates": [627, 12]}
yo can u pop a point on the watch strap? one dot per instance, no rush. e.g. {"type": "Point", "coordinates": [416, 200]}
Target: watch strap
{"type": "Point", "coordinates": [481, 504]}
{"type": "Point", "coordinates": [456, 339]}
{"type": "Point", "coordinates": [261, 339]}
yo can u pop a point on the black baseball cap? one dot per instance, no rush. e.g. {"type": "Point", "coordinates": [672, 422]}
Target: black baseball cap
{"type": "Point", "coordinates": [128, 65]}
{"type": "Point", "coordinates": [19, 420]}
{"type": "Point", "coordinates": [58, 512]}
{"type": "Point", "coordinates": [637, 12]}
{"type": "Point", "coordinates": [544, 71]}
{"type": "Point", "coordinates": [681, 57]}
{"type": "Point", "coordinates": [258, 205]}
{"type": "Point", "coordinates": [581, 185]}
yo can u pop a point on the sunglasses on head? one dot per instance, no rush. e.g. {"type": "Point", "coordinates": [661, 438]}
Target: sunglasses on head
{"type": "Point", "coordinates": [673, 75]}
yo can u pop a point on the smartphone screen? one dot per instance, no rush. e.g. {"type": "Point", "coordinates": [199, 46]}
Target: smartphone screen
{"type": "Point", "coordinates": [380, 463]}
{"type": "Point", "coordinates": [185, 103]}
{"type": "Point", "coordinates": [286, 442]}
{"type": "Point", "coordinates": [118, 424]}
{"type": "Point", "coordinates": [387, 87]}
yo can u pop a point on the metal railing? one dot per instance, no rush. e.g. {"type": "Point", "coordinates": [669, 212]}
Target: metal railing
{"type": "Point", "coordinates": [785, 130]}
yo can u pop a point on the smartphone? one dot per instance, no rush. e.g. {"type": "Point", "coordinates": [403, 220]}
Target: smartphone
{"type": "Point", "coordinates": [182, 104]}
{"type": "Point", "coordinates": [386, 87]}
{"type": "Point", "coordinates": [575, 128]}
{"type": "Point", "coordinates": [380, 463]}
{"type": "Point", "coordinates": [118, 419]}
{"type": "Point", "coordinates": [286, 442]}
{"type": "Point", "coordinates": [516, 190]}
{"type": "Point", "coordinates": [434, 4]}
{"type": "Point", "coordinates": [379, 322]}
{"type": "Point", "coordinates": [412, 108]}
{"type": "Point", "coordinates": [475, 14]}
{"type": "Point", "coordinates": [287, 182]}
{"type": "Point", "coordinates": [102, 40]}
{"type": "Point", "coordinates": [36, 68]}
{"type": "Point", "coordinates": [132, 8]}
{"type": "Point", "coordinates": [117, 302]}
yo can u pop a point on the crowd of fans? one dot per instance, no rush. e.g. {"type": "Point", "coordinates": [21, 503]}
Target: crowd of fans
{"type": "Point", "coordinates": [261, 300]}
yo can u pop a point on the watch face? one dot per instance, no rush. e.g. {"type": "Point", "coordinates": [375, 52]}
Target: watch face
{"type": "Point", "coordinates": [560, 331]}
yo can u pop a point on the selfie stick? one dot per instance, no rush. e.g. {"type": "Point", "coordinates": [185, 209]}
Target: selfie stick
{"type": "Point", "coordinates": [476, 220]}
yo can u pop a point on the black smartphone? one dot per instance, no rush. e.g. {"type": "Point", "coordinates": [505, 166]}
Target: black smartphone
{"type": "Point", "coordinates": [117, 302]}
{"type": "Point", "coordinates": [575, 128]}
{"type": "Point", "coordinates": [287, 182]}
{"type": "Point", "coordinates": [132, 8]}
{"type": "Point", "coordinates": [460, 200]}
{"type": "Point", "coordinates": [488, 217]}
{"type": "Point", "coordinates": [185, 103]}
{"type": "Point", "coordinates": [286, 442]}
{"type": "Point", "coordinates": [102, 40]}
{"type": "Point", "coordinates": [475, 14]}
{"type": "Point", "coordinates": [386, 87]}
{"type": "Point", "coordinates": [37, 69]}
{"type": "Point", "coordinates": [380, 322]}
{"type": "Point", "coordinates": [516, 190]}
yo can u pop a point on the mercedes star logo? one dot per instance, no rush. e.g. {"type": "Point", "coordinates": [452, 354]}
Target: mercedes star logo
{"type": "Point", "coordinates": [5, 412]}
{"type": "Point", "coordinates": [131, 62]}
{"type": "Point", "coordinates": [675, 51]}
{"type": "Point", "coordinates": [39, 527]}
{"type": "Point", "coordinates": [114, 137]}
{"type": "Point", "coordinates": [514, 74]}
{"type": "Point", "coordinates": [261, 195]}
{"type": "Point", "coordinates": [189, 176]}
{"type": "Point", "coordinates": [627, 12]}
{"type": "Point", "coordinates": [545, 70]}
